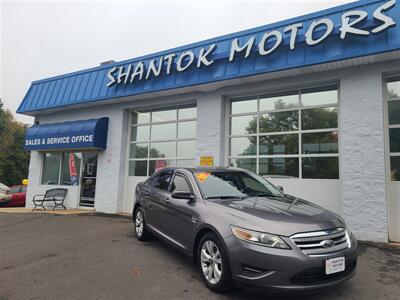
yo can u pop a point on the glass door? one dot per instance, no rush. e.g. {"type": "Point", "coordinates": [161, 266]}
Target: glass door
{"type": "Point", "coordinates": [88, 179]}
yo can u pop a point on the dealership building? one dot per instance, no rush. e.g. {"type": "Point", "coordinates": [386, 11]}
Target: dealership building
{"type": "Point", "coordinates": [310, 103]}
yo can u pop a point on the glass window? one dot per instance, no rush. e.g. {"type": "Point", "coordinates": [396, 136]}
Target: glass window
{"type": "Point", "coordinates": [186, 148]}
{"type": "Point", "coordinates": [394, 139]}
{"type": "Point", "coordinates": [243, 146]}
{"type": "Point", "coordinates": [51, 168]}
{"type": "Point", "coordinates": [137, 168]}
{"type": "Point", "coordinates": [279, 121]}
{"type": "Point", "coordinates": [320, 167]}
{"type": "Point", "coordinates": [70, 168]}
{"type": "Point", "coordinates": [279, 102]}
{"type": "Point", "coordinates": [243, 105]}
{"type": "Point", "coordinates": [244, 163]}
{"type": "Point", "coordinates": [155, 165]}
{"type": "Point", "coordinates": [394, 112]}
{"type": "Point", "coordinates": [189, 163]}
{"type": "Point", "coordinates": [274, 132]}
{"type": "Point", "coordinates": [187, 130]}
{"type": "Point", "coordinates": [162, 181]}
{"type": "Point", "coordinates": [395, 168]}
{"type": "Point", "coordinates": [279, 144]}
{"type": "Point", "coordinates": [279, 166]}
{"type": "Point", "coordinates": [324, 96]}
{"type": "Point", "coordinates": [187, 113]}
{"type": "Point", "coordinates": [140, 117]}
{"type": "Point", "coordinates": [180, 185]}
{"type": "Point", "coordinates": [243, 125]}
{"type": "Point", "coordinates": [163, 149]}
{"type": "Point", "coordinates": [138, 150]}
{"type": "Point", "coordinates": [173, 140]}
{"type": "Point", "coordinates": [321, 142]}
{"type": "Point", "coordinates": [140, 133]}
{"type": "Point", "coordinates": [393, 89]}
{"type": "Point", "coordinates": [163, 132]}
{"type": "Point", "coordinates": [163, 115]}
{"type": "Point", "coordinates": [319, 118]}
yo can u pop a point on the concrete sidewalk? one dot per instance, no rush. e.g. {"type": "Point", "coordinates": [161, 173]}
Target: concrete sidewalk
{"type": "Point", "coordinates": [25, 210]}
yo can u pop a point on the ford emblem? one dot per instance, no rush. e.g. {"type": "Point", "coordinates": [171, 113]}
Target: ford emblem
{"type": "Point", "coordinates": [327, 243]}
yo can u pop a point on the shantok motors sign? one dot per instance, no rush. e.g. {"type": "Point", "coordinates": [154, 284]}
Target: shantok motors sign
{"type": "Point", "coordinates": [352, 24]}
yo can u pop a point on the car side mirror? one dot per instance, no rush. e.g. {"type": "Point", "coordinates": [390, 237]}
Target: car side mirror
{"type": "Point", "coordinates": [183, 195]}
{"type": "Point", "coordinates": [279, 187]}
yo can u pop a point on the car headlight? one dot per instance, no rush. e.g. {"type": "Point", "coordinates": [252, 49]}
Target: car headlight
{"type": "Point", "coordinates": [261, 238]}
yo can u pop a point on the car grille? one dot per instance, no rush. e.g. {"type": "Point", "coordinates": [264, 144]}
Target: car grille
{"type": "Point", "coordinates": [322, 242]}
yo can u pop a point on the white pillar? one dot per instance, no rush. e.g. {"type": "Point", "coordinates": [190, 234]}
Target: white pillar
{"type": "Point", "coordinates": [210, 128]}
{"type": "Point", "coordinates": [362, 153]}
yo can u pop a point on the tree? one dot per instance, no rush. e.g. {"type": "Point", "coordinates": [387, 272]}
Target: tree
{"type": "Point", "coordinates": [14, 161]}
{"type": "Point", "coordinates": [287, 121]}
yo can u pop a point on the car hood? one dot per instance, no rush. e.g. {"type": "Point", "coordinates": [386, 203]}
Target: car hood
{"type": "Point", "coordinates": [285, 215]}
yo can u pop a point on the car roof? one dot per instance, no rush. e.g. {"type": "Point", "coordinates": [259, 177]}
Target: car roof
{"type": "Point", "coordinates": [201, 169]}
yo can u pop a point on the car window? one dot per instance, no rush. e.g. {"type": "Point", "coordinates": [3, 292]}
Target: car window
{"type": "Point", "coordinates": [162, 181]}
{"type": "Point", "coordinates": [180, 185]}
{"type": "Point", "coordinates": [23, 189]}
{"type": "Point", "coordinates": [15, 189]}
{"type": "Point", "coordinates": [234, 184]}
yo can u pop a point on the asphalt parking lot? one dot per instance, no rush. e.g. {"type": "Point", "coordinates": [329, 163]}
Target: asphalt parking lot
{"type": "Point", "coordinates": [97, 257]}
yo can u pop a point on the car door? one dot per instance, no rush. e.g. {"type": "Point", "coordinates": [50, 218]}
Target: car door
{"type": "Point", "coordinates": [158, 195]}
{"type": "Point", "coordinates": [180, 215]}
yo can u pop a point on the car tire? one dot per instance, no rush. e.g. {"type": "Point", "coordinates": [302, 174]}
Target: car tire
{"type": "Point", "coordinates": [213, 264]}
{"type": "Point", "coordinates": [140, 225]}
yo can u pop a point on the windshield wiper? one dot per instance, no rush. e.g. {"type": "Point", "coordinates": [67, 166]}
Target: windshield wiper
{"type": "Point", "coordinates": [223, 197]}
{"type": "Point", "coordinates": [266, 195]}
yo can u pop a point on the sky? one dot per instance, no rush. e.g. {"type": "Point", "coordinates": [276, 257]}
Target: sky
{"type": "Point", "coordinates": [40, 39]}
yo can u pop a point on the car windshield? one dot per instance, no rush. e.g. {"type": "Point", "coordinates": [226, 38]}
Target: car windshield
{"type": "Point", "coordinates": [234, 184]}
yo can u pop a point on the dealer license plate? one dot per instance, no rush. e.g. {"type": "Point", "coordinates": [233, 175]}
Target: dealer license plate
{"type": "Point", "coordinates": [334, 265]}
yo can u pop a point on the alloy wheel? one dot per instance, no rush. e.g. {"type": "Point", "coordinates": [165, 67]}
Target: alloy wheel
{"type": "Point", "coordinates": [211, 262]}
{"type": "Point", "coordinates": [139, 224]}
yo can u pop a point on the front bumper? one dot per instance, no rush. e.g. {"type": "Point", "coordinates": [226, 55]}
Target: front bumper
{"type": "Point", "coordinates": [285, 269]}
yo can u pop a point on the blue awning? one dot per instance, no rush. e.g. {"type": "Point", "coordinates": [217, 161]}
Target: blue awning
{"type": "Point", "coordinates": [83, 134]}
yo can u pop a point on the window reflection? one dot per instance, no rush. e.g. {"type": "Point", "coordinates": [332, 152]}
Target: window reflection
{"type": "Point", "coordinates": [320, 167]}
{"type": "Point", "coordinates": [163, 115]}
{"type": "Point", "coordinates": [286, 101]}
{"type": "Point", "coordinates": [393, 89]}
{"type": "Point", "coordinates": [140, 133]}
{"type": "Point", "coordinates": [243, 146]}
{"type": "Point", "coordinates": [319, 118]}
{"type": "Point", "coordinates": [244, 163]}
{"type": "Point", "coordinates": [243, 105]}
{"type": "Point", "coordinates": [137, 168]}
{"type": "Point", "coordinates": [279, 144]}
{"type": "Point", "coordinates": [394, 112]}
{"type": "Point", "coordinates": [163, 149]}
{"type": "Point", "coordinates": [324, 96]}
{"type": "Point", "coordinates": [187, 130]}
{"type": "Point", "coordinates": [394, 139]}
{"type": "Point", "coordinates": [243, 125]}
{"type": "Point", "coordinates": [279, 121]}
{"type": "Point", "coordinates": [279, 166]}
{"type": "Point", "coordinates": [395, 168]}
{"type": "Point", "coordinates": [138, 151]}
{"type": "Point", "coordinates": [322, 142]}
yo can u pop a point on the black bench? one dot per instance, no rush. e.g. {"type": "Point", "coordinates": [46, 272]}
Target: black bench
{"type": "Point", "coordinates": [54, 195]}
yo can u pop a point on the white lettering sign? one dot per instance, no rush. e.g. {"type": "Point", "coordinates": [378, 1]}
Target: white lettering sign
{"type": "Point", "coordinates": [268, 42]}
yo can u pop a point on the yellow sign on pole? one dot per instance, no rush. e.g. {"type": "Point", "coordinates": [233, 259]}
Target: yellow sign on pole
{"type": "Point", "coordinates": [207, 161]}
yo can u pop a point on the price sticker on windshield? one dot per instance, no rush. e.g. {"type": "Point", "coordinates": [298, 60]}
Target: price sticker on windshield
{"type": "Point", "coordinates": [202, 176]}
